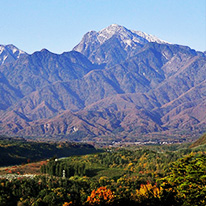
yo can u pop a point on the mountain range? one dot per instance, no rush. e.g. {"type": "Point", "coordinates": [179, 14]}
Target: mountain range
{"type": "Point", "coordinates": [116, 83]}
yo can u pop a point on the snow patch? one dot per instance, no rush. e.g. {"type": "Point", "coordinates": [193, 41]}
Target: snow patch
{"type": "Point", "coordinates": [128, 42]}
{"type": "Point", "coordinates": [4, 59]}
{"type": "Point", "coordinates": [2, 49]}
{"type": "Point", "coordinates": [150, 38]}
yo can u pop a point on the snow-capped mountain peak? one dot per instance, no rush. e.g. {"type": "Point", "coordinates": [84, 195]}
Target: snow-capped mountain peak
{"type": "Point", "coordinates": [9, 53]}
{"type": "Point", "coordinates": [114, 40]}
{"type": "Point", "coordinates": [127, 37]}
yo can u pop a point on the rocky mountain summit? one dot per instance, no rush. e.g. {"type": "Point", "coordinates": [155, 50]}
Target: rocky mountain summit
{"type": "Point", "coordinates": [10, 53]}
{"type": "Point", "coordinates": [113, 44]}
{"type": "Point", "coordinates": [116, 83]}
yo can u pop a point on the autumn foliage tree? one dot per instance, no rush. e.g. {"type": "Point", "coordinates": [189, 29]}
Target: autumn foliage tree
{"type": "Point", "coordinates": [147, 193]}
{"type": "Point", "coordinates": [101, 196]}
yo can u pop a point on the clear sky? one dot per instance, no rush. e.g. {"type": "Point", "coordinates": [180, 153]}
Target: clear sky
{"type": "Point", "coordinates": [59, 25]}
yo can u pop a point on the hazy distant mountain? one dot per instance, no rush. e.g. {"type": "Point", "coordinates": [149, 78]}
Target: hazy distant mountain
{"type": "Point", "coordinates": [131, 84]}
{"type": "Point", "coordinates": [10, 53]}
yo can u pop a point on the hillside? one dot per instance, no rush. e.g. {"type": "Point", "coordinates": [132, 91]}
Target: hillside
{"type": "Point", "coordinates": [199, 142]}
{"type": "Point", "coordinates": [15, 152]}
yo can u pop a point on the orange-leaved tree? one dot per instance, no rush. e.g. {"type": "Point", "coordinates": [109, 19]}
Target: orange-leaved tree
{"type": "Point", "coordinates": [67, 203]}
{"type": "Point", "coordinates": [101, 196]}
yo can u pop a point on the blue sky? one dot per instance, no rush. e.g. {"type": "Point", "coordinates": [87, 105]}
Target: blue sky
{"type": "Point", "coordinates": [59, 25]}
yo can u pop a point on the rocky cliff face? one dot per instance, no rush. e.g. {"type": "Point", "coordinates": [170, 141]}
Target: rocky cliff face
{"type": "Point", "coordinates": [124, 84]}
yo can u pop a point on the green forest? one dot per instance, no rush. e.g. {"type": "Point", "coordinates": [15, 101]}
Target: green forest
{"type": "Point", "coordinates": [148, 175]}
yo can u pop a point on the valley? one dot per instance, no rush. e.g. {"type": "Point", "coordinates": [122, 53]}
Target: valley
{"type": "Point", "coordinates": [136, 175]}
